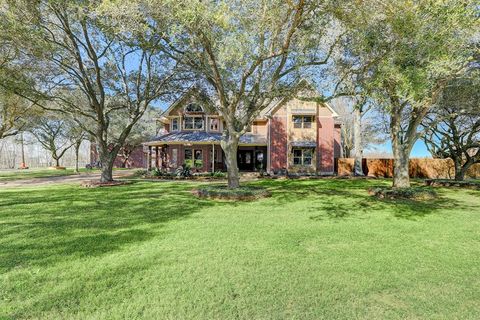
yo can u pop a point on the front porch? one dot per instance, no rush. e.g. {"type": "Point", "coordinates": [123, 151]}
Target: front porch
{"type": "Point", "coordinates": [204, 158]}
{"type": "Point", "coordinates": [202, 152]}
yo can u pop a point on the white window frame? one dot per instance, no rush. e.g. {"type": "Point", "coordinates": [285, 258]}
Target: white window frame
{"type": "Point", "coordinates": [193, 122]}
{"type": "Point", "coordinates": [210, 124]}
{"type": "Point", "coordinates": [178, 124]}
{"type": "Point", "coordinates": [303, 123]}
{"type": "Point", "coordinates": [302, 156]}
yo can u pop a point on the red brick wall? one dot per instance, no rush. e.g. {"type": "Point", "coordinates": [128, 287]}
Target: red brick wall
{"type": "Point", "coordinates": [136, 160]}
{"type": "Point", "coordinates": [325, 144]}
{"type": "Point", "coordinates": [337, 141]}
{"type": "Point", "coordinates": [278, 142]}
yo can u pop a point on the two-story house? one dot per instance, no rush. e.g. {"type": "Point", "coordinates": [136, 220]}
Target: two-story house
{"type": "Point", "coordinates": [292, 136]}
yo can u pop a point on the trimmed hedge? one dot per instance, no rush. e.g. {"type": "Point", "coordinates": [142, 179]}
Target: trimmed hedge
{"type": "Point", "coordinates": [413, 193]}
{"type": "Point", "coordinates": [224, 193]}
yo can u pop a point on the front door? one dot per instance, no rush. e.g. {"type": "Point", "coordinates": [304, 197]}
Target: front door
{"type": "Point", "coordinates": [245, 160]}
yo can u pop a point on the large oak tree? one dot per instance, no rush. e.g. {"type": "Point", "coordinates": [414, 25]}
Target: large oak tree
{"type": "Point", "coordinates": [117, 73]}
{"type": "Point", "coordinates": [453, 126]}
{"type": "Point", "coordinates": [406, 52]}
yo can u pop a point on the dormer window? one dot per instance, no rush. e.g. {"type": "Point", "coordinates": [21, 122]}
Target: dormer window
{"type": "Point", "coordinates": [193, 108]}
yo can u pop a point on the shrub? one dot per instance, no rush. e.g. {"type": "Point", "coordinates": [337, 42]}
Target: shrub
{"type": "Point", "coordinates": [413, 193]}
{"type": "Point", "coordinates": [183, 171]}
{"type": "Point", "coordinates": [218, 174]}
{"type": "Point", "coordinates": [156, 172]}
{"type": "Point", "coordinates": [223, 192]}
{"type": "Point", "coordinates": [140, 173]}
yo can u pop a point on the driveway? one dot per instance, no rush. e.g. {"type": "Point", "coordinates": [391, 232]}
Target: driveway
{"type": "Point", "coordinates": [63, 179]}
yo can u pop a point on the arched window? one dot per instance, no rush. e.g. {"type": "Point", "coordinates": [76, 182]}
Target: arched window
{"type": "Point", "coordinates": [193, 108]}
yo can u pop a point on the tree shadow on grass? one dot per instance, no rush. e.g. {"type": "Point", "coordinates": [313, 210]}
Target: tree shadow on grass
{"type": "Point", "coordinates": [343, 199]}
{"type": "Point", "coordinates": [46, 225]}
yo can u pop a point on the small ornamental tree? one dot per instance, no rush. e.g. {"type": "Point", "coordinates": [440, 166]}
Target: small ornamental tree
{"type": "Point", "coordinates": [406, 52]}
{"type": "Point", "coordinates": [453, 126]}
{"type": "Point", "coordinates": [245, 54]}
{"type": "Point", "coordinates": [51, 132]}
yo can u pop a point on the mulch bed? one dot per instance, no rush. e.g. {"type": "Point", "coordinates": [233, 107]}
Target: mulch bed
{"type": "Point", "coordinates": [196, 178]}
{"type": "Point", "coordinates": [247, 193]}
{"type": "Point", "coordinates": [98, 184]}
{"type": "Point", "coordinates": [413, 193]}
{"type": "Point", "coordinates": [453, 183]}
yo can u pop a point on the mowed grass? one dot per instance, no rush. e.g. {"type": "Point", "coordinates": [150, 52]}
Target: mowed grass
{"type": "Point", "coordinates": [315, 250]}
{"type": "Point", "coordinates": [11, 175]}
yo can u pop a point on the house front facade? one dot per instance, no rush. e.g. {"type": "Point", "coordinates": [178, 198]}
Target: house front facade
{"type": "Point", "coordinates": [290, 136]}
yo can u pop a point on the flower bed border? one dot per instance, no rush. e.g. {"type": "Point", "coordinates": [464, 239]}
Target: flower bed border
{"type": "Point", "coordinates": [452, 183]}
{"type": "Point", "coordinates": [222, 192]}
{"type": "Point", "coordinates": [98, 184]}
{"type": "Point", "coordinates": [412, 193]}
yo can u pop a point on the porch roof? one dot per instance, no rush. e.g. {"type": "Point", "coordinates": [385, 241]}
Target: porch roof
{"type": "Point", "coordinates": [303, 144]}
{"type": "Point", "coordinates": [202, 137]}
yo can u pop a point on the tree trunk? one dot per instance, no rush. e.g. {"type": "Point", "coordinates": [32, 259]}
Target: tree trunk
{"type": "Point", "coordinates": [107, 159]}
{"type": "Point", "coordinates": [126, 158]}
{"type": "Point", "coordinates": [230, 147]}
{"type": "Point", "coordinates": [57, 162]}
{"type": "Point", "coordinates": [461, 170]}
{"type": "Point", "coordinates": [401, 158]}
{"type": "Point", "coordinates": [357, 140]}
{"type": "Point", "coordinates": [77, 148]}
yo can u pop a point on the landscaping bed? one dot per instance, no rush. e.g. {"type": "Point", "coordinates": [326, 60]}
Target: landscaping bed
{"type": "Point", "coordinates": [453, 183]}
{"type": "Point", "coordinates": [412, 193]}
{"type": "Point", "coordinates": [182, 173]}
{"type": "Point", "coordinates": [98, 184]}
{"type": "Point", "coordinates": [221, 192]}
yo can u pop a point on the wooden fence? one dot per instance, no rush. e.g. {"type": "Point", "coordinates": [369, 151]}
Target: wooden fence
{"type": "Point", "coordinates": [419, 168]}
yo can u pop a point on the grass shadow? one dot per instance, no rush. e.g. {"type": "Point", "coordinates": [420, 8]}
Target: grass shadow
{"type": "Point", "coordinates": [42, 226]}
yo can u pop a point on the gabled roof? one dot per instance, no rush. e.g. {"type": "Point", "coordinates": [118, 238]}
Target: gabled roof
{"type": "Point", "coordinates": [181, 99]}
{"type": "Point", "coordinates": [266, 112]}
{"type": "Point", "coordinates": [302, 84]}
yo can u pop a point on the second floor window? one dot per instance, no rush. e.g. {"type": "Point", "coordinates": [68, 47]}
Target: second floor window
{"type": "Point", "coordinates": [175, 124]}
{"type": "Point", "coordinates": [302, 122]}
{"type": "Point", "coordinates": [193, 123]}
{"type": "Point", "coordinates": [214, 124]}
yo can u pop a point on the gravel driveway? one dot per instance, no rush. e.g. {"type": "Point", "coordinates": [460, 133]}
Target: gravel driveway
{"type": "Point", "coordinates": [63, 179]}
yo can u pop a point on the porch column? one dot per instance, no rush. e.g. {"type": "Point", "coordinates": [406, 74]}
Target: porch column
{"type": "Point", "coordinates": [213, 157]}
{"type": "Point", "coordinates": [157, 158]}
{"type": "Point", "coordinates": [149, 158]}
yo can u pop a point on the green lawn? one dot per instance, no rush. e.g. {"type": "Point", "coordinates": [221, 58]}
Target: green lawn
{"type": "Point", "coordinates": [316, 250]}
{"type": "Point", "coordinates": [10, 175]}
{"type": "Point", "coordinates": [34, 173]}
